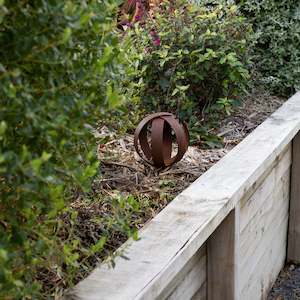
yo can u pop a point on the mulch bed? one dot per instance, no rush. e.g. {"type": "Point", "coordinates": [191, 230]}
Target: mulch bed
{"type": "Point", "coordinates": [123, 173]}
{"type": "Point", "coordinates": [287, 285]}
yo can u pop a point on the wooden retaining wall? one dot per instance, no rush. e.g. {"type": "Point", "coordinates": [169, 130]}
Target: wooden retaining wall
{"type": "Point", "coordinates": [224, 237]}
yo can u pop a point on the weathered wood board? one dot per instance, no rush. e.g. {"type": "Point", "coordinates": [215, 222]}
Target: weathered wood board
{"type": "Point", "coordinates": [221, 259]}
{"type": "Point", "coordinates": [294, 222]}
{"type": "Point", "coordinates": [171, 240]}
{"type": "Point", "coordinates": [263, 232]}
{"type": "Point", "coordinates": [191, 280]}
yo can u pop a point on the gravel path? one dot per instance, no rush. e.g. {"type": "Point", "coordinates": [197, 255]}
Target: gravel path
{"type": "Point", "coordinates": [287, 285]}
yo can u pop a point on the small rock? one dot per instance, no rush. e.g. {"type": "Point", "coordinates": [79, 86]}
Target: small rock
{"type": "Point", "coordinates": [292, 267]}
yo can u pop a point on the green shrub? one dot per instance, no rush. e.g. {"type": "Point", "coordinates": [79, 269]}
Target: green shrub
{"type": "Point", "coordinates": [59, 67]}
{"type": "Point", "coordinates": [277, 53]}
{"type": "Point", "coordinates": [190, 57]}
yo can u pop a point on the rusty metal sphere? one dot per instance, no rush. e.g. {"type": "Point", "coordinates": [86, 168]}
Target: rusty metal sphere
{"type": "Point", "coordinates": [153, 139]}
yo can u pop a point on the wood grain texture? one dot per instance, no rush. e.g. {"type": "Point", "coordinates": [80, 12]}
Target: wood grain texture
{"type": "Point", "coordinates": [294, 220]}
{"type": "Point", "coordinates": [172, 238]}
{"type": "Point", "coordinates": [263, 239]}
{"type": "Point", "coordinates": [251, 204]}
{"type": "Point", "coordinates": [253, 238]}
{"type": "Point", "coordinates": [190, 280]}
{"type": "Point", "coordinates": [268, 267]}
{"type": "Point", "coordinates": [221, 260]}
{"type": "Point", "coordinates": [201, 294]}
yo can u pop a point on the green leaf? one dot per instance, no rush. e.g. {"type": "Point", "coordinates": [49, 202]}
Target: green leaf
{"type": "Point", "coordinates": [36, 165]}
{"type": "Point", "coordinates": [3, 127]}
{"type": "Point", "coordinates": [45, 156]}
{"type": "Point", "coordinates": [3, 255]}
{"type": "Point", "coordinates": [175, 91]}
{"type": "Point", "coordinates": [183, 87]}
{"type": "Point", "coordinates": [66, 35]}
{"type": "Point", "coordinates": [223, 60]}
{"type": "Point", "coordinates": [99, 245]}
{"type": "Point", "coordinates": [135, 235]}
{"type": "Point", "coordinates": [113, 97]}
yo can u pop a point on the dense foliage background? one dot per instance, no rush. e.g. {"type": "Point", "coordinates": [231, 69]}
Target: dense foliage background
{"type": "Point", "coordinates": [191, 57]}
{"type": "Point", "coordinates": [191, 60]}
{"type": "Point", "coordinates": [59, 68]}
{"type": "Point", "coordinates": [277, 53]}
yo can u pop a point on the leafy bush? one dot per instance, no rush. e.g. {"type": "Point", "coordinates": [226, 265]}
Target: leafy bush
{"type": "Point", "coordinates": [277, 54]}
{"type": "Point", "coordinates": [60, 64]}
{"type": "Point", "coordinates": [190, 57]}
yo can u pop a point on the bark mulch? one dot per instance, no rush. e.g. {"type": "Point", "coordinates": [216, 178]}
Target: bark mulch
{"type": "Point", "coordinates": [123, 170]}
{"type": "Point", "coordinates": [287, 285]}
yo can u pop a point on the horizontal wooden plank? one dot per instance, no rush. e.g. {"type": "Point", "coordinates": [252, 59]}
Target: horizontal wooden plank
{"type": "Point", "coordinates": [261, 241]}
{"type": "Point", "coordinates": [252, 237]}
{"type": "Point", "coordinates": [170, 240]}
{"type": "Point", "coordinates": [268, 266]}
{"type": "Point", "coordinates": [275, 207]}
{"type": "Point", "coordinates": [266, 226]}
{"type": "Point", "coordinates": [188, 283]}
{"type": "Point", "coordinates": [250, 206]}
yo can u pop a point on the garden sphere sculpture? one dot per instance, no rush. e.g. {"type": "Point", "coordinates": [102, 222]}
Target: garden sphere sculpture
{"type": "Point", "coordinates": [153, 139]}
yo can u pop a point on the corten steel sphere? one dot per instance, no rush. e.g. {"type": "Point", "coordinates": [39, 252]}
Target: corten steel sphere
{"type": "Point", "coordinates": [153, 139]}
